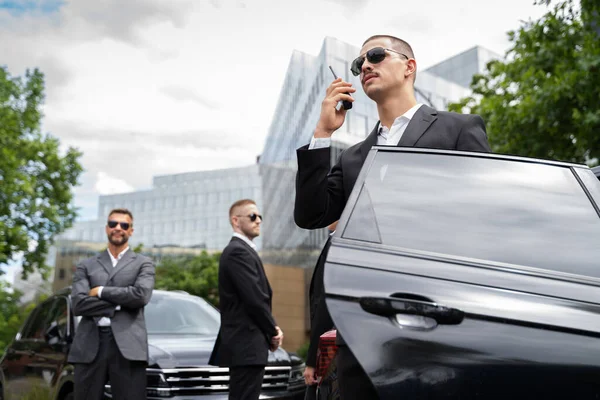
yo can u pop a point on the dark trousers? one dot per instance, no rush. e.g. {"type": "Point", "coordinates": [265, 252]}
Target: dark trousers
{"type": "Point", "coordinates": [354, 382]}
{"type": "Point", "coordinates": [127, 378]}
{"type": "Point", "coordinates": [245, 382]}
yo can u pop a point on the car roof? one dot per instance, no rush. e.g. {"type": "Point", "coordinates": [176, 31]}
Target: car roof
{"type": "Point", "coordinates": [596, 171]}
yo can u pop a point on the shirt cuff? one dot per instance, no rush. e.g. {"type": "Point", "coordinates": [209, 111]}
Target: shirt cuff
{"type": "Point", "coordinates": [319, 143]}
{"type": "Point", "coordinates": [100, 292]}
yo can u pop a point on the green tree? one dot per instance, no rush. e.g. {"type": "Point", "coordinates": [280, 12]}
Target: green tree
{"type": "Point", "coordinates": [197, 275]}
{"type": "Point", "coordinates": [13, 313]}
{"type": "Point", "coordinates": [543, 99]}
{"type": "Point", "coordinates": [36, 181]}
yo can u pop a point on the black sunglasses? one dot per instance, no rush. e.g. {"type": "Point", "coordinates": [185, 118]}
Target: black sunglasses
{"type": "Point", "coordinates": [374, 56]}
{"type": "Point", "coordinates": [113, 224]}
{"type": "Point", "coordinates": [252, 216]}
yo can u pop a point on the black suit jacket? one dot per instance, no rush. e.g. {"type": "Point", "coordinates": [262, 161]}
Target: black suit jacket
{"type": "Point", "coordinates": [321, 194]}
{"type": "Point", "coordinates": [247, 325]}
{"type": "Point", "coordinates": [320, 320]}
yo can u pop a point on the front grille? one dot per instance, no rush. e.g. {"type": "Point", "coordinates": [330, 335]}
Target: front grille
{"type": "Point", "coordinates": [197, 381]}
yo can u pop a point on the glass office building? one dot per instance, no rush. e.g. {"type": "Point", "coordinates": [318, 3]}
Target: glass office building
{"type": "Point", "coordinates": [296, 117]}
{"type": "Point", "coordinates": [187, 210]}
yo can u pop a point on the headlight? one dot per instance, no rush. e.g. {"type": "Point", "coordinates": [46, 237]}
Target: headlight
{"type": "Point", "coordinates": [157, 385]}
{"type": "Point", "coordinates": [296, 380]}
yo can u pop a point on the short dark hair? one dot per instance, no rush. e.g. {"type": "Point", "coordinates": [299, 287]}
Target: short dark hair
{"type": "Point", "coordinates": [398, 44]}
{"type": "Point", "coordinates": [121, 211]}
{"type": "Point", "coordinates": [239, 203]}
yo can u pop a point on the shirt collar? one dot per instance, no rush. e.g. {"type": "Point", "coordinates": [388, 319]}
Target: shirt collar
{"type": "Point", "coordinates": [408, 115]}
{"type": "Point", "coordinates": [245, 239]}
{"type": "Point", "coordinates": [119, 256]}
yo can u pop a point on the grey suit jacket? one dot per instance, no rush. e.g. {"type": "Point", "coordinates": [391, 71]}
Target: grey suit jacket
{"type": "Point", "coordinates": [129, 284]}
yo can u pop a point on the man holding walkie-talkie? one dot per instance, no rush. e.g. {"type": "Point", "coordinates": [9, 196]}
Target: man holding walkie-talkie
{"type": "Point", "coordinates": [387, 69]}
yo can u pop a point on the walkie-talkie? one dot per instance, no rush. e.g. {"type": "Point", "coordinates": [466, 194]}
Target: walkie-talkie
{"type": "Point", "coordinates": [345, 103]}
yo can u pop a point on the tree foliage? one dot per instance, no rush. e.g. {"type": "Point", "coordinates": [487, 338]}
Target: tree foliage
{"type": "Point", "coordinates": [12, 313]}
{"type": "Point", "coordinates": [36, 181]}
{"type": "Point", "coordinates": [543, 99]}
{"type": "Point", "coordinates": [197, 275]}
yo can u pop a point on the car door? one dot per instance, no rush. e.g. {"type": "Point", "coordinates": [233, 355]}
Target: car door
{"type": "Point", "coordinates": [20, 366]}
{"type": "Point", "coordinates": [464, 275]}
{"type": "Point", "coordinates": [51, 353]}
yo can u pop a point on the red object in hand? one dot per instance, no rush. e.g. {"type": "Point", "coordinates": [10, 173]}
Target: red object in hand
{"type": "Point", "coordinates": [325, 352]}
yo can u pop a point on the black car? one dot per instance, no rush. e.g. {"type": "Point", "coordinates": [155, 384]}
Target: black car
{"type": "Point", "coordinates": [456, 275]}
{"type": "Point", "coordinates": [181, 333]}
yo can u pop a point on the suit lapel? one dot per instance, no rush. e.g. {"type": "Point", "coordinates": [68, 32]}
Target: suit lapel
{"type": "Point", "coordinates": [127, 258]}
{"type": "Point", "coordinates": [104, 260]}
{"type": "Point", "coordinates": [369, 142]}
{"type": "Point", "coordinates": [417, 126]}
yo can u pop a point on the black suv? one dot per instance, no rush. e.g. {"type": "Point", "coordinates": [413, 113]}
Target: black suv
{"type": "Point", "coordinates": [181, 332]}
{"type": "Point", "coordinates": [456, 275]}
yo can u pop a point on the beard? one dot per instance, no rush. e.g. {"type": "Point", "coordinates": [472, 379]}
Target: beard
{"type": "Point", "coordinates": [250, 233]}
{"type": "Point", "coordinates": [118, 240]}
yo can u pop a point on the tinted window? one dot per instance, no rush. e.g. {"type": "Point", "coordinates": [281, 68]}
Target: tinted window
{"type": "Point", "coordinates": [181, 314]}
{"type": "Point", "coordinates": [591, 183]}
{"type": "Point", "coordinates": [39, 321]}
{"type": "Point", "coordinates": [60, 315]}
{"type": "Point", "coordinates": [488, 209]}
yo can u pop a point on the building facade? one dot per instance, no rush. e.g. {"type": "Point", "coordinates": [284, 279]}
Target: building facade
{"type": "Point", "coordinates": [181, 210]}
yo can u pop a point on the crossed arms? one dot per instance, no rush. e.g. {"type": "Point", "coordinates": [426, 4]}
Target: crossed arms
{"type": "Point", "coordinates": [87, 304]}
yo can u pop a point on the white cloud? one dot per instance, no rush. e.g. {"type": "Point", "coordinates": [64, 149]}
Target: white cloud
{"type": "Point", "coordinates": [149, 87]}
{"type": "Point", "coordinates": [106, 184]}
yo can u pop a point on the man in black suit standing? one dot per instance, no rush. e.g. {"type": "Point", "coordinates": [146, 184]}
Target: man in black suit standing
{"type": "Point", "coordinates": [248, 329]}
{"type": "Point", "coordinates": [387, 69]}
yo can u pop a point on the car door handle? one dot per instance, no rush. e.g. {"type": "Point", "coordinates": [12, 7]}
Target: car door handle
{"type": "Point", "coordinates": [389, 307]}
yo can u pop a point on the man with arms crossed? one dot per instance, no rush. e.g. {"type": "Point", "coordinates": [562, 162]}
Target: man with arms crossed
{"type": "Point", "coordinates": [248, 329]}
{"type": "Point", "coordinates": [387, 69]}
{"type": "Point", "coordinates": [109, 292]}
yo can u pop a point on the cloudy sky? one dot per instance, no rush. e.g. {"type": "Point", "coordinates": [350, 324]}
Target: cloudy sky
{"type": "Point", "coordinates": [153, 87]}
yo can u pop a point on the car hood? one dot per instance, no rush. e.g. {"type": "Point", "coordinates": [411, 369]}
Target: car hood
{"type": "Point", "coordinates": [179, 351]}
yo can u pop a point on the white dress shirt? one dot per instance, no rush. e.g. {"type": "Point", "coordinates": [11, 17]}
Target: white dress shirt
{"type": "Point", "coordinates": [386, 136]}
{"type": "Point", "coordinates": [105, 321]}
{"type": "Point", "coordinates": [245, 239]}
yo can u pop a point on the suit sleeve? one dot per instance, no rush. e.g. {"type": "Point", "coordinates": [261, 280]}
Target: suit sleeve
{"type": "Point", "coordinates": [472, 136]}
{"type": "Point", "coordinates": [84, 304]}
{"type": "Point", "coordinates": [245, 278]}
{"type": "Point", "coordinates": [319, 192]}
{"type": "Point", "coordinates": [136, 296]}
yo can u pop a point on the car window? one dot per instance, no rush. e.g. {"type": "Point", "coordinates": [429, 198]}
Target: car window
{"type": "Point", "coordinates": [60, 315]}
{"type": "Point", "coordinates": [181, 314]}
{"type": "Point", "coordinates": [39, 321]}
{"type": "Point", "coordinates": [591, 182]}
{"type": "Point", "coordinates": [498, 210]}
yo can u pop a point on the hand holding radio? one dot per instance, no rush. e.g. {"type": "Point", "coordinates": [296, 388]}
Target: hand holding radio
{"type": "Point", "coordinates": [332, 117]}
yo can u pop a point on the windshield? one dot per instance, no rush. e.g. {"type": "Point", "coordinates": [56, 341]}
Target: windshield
{"type": "Point", "coordinates": [181, 314]}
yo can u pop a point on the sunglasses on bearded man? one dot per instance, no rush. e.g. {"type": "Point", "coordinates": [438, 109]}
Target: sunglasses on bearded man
{"type": "Point", "coordinates": [252, 216]}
